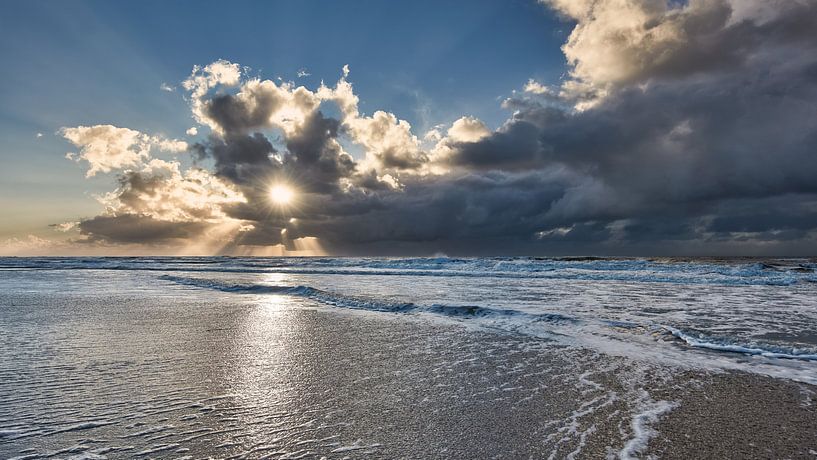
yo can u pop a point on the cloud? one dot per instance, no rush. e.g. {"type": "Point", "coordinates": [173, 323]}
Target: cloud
{"type": "Point", "coordinates": [238, 157]}
{"type": "Point", "coordinates": [161, 190]}
{"type": "Point", "coordinates": [166, 87]}
{"type": "Point", "coordinates": [310, 135]}
{"type": "Point", "coordinates": [468, 129]}
{"type": "Point", "coordinates": [65, 226]}
{"type": "Point", "coordinates": [201, 80]}
{"type": "Point", "coordinates": [388, 141]}
{"type": "Point", "coordinates": [161, 205]}
{"type": "Point", "coordinates": [617, 43]}
{"type": "Point", "coordinates": [680, 127]}
{"type": "Point", "coordinates": [107, 147]}
{"type": "Point", "coordinates": [534, 87]}
{"type": "Point", "coordinates": [134, 228]}
{"type": "Point", "coordinates": [31, 245]}
{"type": "Point", "coordinates": [316, 157]}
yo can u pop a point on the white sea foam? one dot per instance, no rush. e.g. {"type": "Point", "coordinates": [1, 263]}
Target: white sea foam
{"type": "Point", "coordinates": [792, 353]}
{"type": "Point", "coordinates": [641, 425]}
{"type": "Point", "coordinates": [227, 366]}
{"type": "Point", "coordinates": [638, 338]}
{"type": "Point", "coordinates": [776, 273]}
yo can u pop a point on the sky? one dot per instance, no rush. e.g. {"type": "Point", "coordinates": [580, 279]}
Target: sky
{"type": "Point", "coordinates": [506, 127]}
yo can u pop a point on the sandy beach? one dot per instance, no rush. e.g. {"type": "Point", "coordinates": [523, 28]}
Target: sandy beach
{"type": "Point", "coordinates": [485, 229]}
{"type": "Point", "coordinates": [123, 376]}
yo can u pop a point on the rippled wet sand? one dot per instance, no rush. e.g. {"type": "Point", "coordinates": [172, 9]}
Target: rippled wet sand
{"type": "Point", "coordinates": [209, 375]}
{"type": "Point", "coordinates": [124, 377]}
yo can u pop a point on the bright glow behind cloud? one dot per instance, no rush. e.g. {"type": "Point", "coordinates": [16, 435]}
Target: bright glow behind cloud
{"type": "Point", "coordinates": [689, 124]}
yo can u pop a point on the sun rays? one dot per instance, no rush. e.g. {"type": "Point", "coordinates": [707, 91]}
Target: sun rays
{"type": "Point", "coordinates": [281, 194]}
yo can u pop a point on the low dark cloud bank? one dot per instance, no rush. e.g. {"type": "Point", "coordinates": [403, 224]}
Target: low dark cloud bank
{"type": "Point", "coordinates": [692, 130]}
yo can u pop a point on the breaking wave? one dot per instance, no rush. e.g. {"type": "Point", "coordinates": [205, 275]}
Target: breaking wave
{"type": "Point", "coordinates": [503, 318]}
{"type": "Point", "coordinates": [358, 303]}
{"type": "Point", "coordinates": [774, 272]}
{"type": "Point", "coordinates": [726, 345]}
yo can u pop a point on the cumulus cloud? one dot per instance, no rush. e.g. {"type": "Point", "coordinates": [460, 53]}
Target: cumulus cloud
{"type": "Point", "coordinates": [388, 141]}
{"type": "Point", "coordinates": [683, 125]}
{"type": "Point", "coordinates": [203, 79]}
{"type": "Point", "coordinates": [621, 42]}
{"type": "Point", "coordinates": [107, 147]}
{"type": "Point", "coordinates": [534, 87]}
{"type": "Point", "coordinates": [161, 190]}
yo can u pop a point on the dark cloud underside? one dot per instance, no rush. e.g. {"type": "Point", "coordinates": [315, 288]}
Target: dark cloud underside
{"type": "Point", "coordinates": [699, 136]}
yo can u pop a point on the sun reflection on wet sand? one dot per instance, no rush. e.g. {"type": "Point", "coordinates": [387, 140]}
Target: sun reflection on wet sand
{"type": "Point", "coordinates": [267, 374]}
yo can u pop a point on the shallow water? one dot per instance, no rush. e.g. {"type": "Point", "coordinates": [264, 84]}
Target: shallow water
{"type": "Point", "coordinates": [169, 357]}
{"type": "Point", "coordinates": [757, 314]}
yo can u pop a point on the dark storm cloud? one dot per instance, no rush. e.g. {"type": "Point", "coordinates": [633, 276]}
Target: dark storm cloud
{"type": "Point", "coordinates": [666, 155]}
{"type": "Point", "coordinates": [472, 206]}
{"type": "Point", "coordinates": [237, 116]}
{"type": "Point", "coordinates": [315, 158]}
{"type": "Point", "coordinates": [516, 146]}
{"type": "Point", "coordinates": [133, 228]}
{"type": "Point", "coordinates": [717, 42]}
{"type": "Point", "coordinates": [694, 129]}
{"type": "Point", "coordinates": [398, 158]}
{"type": "Point", "coordinates": [243, 159]}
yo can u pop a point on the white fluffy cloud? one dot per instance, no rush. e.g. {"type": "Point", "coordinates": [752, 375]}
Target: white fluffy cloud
{"type": "Point", "coordinates": [464, 130]}
{"type": "Point", "coordinates": [534, 87]}
{"type": "Point", "coordinates": [615, 41]}
{"type": "Point", "coordinates": [388, 140]}
{"type": "Point", "coordinates": [622, 42]}
{"type": "Point", "coordinates": [204, 78]}
{"type": "Point", "coordinates": [108, 147]}
{"type": "Point", "coordinates": [468, 129]}
{"type": "Point", "coordinates": [163, 191]}
{"type": "Point", "coordinates": [257, 104]}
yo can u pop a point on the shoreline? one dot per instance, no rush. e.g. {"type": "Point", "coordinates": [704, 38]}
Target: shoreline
{"type": "Point", "coordinates": [216, 375]}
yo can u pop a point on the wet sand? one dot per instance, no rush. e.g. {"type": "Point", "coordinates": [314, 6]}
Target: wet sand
{"type": "Point", "coordinates": [127, 377]}
{"type": "Point", "coordinates": [739, 415]}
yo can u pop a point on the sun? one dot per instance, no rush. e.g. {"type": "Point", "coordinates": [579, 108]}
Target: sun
{"type": "Point", "coordinates": [281, 194]}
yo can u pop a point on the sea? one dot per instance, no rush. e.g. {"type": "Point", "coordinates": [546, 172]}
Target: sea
{"type": "Point", "coordinates": [325, 357]}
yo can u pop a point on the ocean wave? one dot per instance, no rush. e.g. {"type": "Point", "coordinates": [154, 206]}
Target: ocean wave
{"type": "Point", "coordinates": [726, 345]}
{"type": "Point", "coordinates": [228, 287]}
{"type": "Point", "coordinates": [503, 318]}
{"type": "Point", "coordinates": [359, 303]}
{"type": "Point", "coordinates": [298, 291]}
{"type": "Point", "coordinates": [681, 271]}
